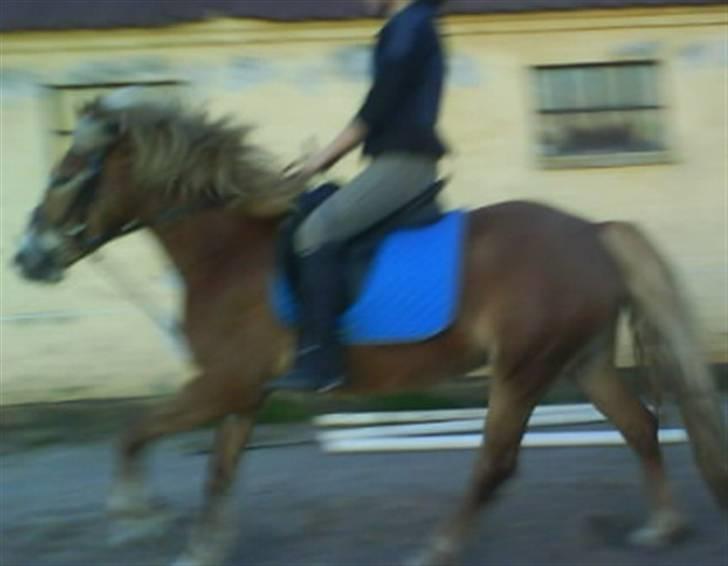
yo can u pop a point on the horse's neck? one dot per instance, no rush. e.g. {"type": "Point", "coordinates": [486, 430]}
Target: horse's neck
{"type": "Point", "coordinates": [205, 243]}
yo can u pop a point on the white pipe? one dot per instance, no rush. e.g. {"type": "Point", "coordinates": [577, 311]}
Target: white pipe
{"type": "Point", "coordinates": [465, 441]}
{"type": "Point", "coordinates": [382, 417]}
{"type": "Point", "coordinates": [469, 425]}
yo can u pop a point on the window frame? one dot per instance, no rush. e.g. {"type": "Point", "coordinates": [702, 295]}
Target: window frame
{"type": "Point", "coordinates": [615, 158]}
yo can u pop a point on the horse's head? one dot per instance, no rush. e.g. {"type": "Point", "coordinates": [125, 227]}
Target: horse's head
{"type": "Point", "coordinates": [139, 161]}
{"type": "Point", "coordinates": [88, 200]}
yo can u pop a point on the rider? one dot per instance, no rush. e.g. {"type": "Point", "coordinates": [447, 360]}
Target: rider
{"type": "Point", "coordinates": [397, 126]}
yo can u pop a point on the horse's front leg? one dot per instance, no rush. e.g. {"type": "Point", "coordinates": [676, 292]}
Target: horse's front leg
{"type": "Point", "coordinates": [200, 402]}
{"type": "Point", "coordinates": [214, 533]}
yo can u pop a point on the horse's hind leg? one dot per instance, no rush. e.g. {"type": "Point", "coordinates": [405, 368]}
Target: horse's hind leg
{"type": "Point", "coordinates": [606, 389]}
{"type": "Point", "coordinates": [510, 405]}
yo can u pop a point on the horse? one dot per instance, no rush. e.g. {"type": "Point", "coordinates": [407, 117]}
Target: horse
{"type": "Point", "coordinates": [541, 297]}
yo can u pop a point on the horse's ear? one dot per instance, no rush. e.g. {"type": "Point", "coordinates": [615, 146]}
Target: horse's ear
{"type": "Point", "coordinates": [125, 98]}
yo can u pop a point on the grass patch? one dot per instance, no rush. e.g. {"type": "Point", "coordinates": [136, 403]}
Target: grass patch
{"type": "Point", "coordinates": [417, 402]}
{"type": "Point", "coordinates": [281, 411]}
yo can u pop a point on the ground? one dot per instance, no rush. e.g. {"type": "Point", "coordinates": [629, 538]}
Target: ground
{"type": "Point", "coordinates": [300, 506]}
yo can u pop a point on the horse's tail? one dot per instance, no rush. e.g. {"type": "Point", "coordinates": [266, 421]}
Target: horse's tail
{"type": "Point", "coordinates": [666, 343]}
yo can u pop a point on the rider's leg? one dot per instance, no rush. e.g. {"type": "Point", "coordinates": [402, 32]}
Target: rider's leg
{"type": "Point", "coordinates": [388, 184]}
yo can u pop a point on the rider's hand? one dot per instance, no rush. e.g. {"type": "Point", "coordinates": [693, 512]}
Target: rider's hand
{"type": "Point", "coordinates": [318, 161]}
{"type": "Point", "coordinates": [303, 169]}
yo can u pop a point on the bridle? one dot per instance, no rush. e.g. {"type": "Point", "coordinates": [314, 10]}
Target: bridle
{"type": "Point", "coordinates": [86, 196]}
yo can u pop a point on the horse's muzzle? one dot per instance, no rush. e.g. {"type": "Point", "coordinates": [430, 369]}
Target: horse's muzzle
{"type": "Point", "coordinates": [36, 264]}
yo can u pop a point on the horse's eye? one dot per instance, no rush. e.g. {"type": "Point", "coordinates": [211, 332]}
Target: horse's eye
{"type": "Point", "coordinates": [36, 216]}
{"type": "Point", "coordinates": [112, 129]}
{"type": "Point", "coordinates": [60, 181]}
{"type": "Point", "coordinates": [75, 230]}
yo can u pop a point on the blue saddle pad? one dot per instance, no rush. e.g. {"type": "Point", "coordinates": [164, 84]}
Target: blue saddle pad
{"type": "Point", "coordinates": [411, 292]}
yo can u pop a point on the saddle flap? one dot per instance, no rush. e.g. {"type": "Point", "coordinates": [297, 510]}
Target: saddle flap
{"type": "Point", "coordinates": [409, 292]}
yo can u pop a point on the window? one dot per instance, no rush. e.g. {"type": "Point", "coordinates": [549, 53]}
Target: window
{"type": "Point", "coordinates": [66, 100]}
{"type": "Point", "coordinates": [599, 114]}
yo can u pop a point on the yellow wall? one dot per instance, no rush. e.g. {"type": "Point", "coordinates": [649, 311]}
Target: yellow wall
{"type": "Point", "coordinates": [295, 81]}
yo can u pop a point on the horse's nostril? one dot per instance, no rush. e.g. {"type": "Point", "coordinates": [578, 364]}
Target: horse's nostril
{"type": "Point", "coordinates": [37, 266]}
{"type": "Point", "coordinates": [19, 258]}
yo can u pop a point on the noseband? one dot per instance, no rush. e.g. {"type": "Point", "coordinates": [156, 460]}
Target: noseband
{"type": "Point", "coordinates": [87, 195]}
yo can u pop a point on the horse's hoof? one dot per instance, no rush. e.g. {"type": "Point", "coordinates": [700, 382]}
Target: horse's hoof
{"type": "Point", "coordinates": [207, 547]}
{"type": "Point", "coordinates": [187, 560]}
{"type": "Point", "coordinates": [130, 499]}
{"type": "Point", "coordinates": [137, 508]}
{"type": "Point", "coordinates": [663, 529]}
{"type": "Point", "coordinates": [417, 560]}
{"type": "Point", "coordinates": [441, 554]}
{"type": "Point", "coordinates": [430, 559]}
{"type": "Point", "coordinates": [199, 559]}
{"type": "Point", "coordinates": [150, 524]}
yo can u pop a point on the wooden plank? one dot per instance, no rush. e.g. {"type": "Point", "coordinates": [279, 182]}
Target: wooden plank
{"type": "Point", "coordinates": [383, 417]}
{"type": "Point", "coordinates": [449, 427]}
{"type": "Point", "coordinates": [469, 441]}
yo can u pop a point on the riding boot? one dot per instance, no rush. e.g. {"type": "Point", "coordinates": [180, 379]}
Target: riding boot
{"type": "Point", "coordinates": [319, 364]}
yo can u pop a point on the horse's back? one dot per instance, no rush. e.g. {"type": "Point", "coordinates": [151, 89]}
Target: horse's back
{"type": "Point", "coordinates": [513, 212]}
{"type": "Point", "coordinates": [530, 228]}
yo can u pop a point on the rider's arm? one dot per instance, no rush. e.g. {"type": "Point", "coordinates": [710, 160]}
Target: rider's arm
{"type": "Point", "coordinates": [346, 141]}
{"type": "Point", "coordinates": [402, 51]}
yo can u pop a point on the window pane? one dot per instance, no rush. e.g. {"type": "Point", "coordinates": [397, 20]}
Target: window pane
{"type": "Point", "coordinates": [565, 88]}
{"type": "Point", "coordinates": [600, 132]}
{"type": "Point", "coordinates": [546, 85]}
{"type": "Point", "coordinates": [596, 87]}
{"type": "Point", "coordinates": [629, 86]}
{"type": "Point", "coordinates": [649, 85]}
{"type": "Point", "coordinates": [646, 130]}
{"type": "Point", "coordinates": [550, 135]}
{"type": "Point", "coordinates": [632, 85]}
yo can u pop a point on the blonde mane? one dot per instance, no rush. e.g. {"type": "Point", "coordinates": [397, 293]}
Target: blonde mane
{"type": "Point", "coordinates": [188, 155]}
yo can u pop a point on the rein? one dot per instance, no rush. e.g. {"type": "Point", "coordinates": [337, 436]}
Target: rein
{"type": "Point", "coordinates": [168, 326]}
{"type": "Point", "coordinates": [91, 244]}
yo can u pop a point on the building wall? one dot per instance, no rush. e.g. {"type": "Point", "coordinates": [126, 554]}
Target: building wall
{"type": "Point", "coordinates": [296, 82]}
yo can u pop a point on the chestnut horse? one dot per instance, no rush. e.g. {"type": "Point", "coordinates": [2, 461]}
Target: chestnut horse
{"type": "Point", "coordinates": [541, 298]}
